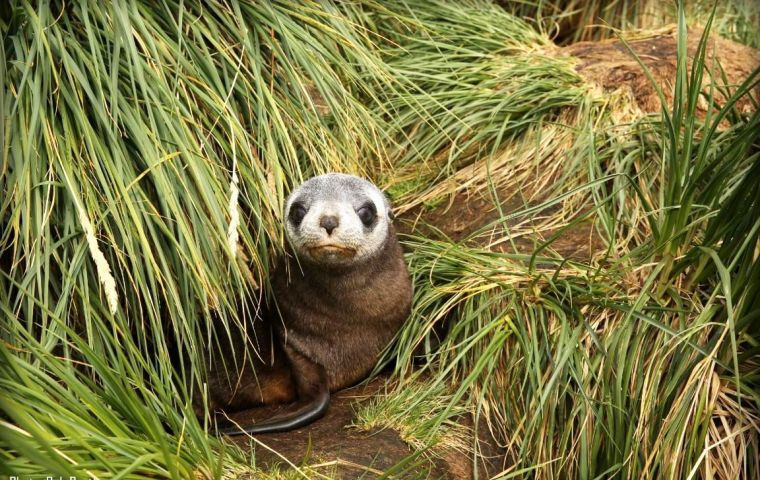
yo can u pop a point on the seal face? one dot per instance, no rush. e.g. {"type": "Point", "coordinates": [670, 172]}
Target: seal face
{"type": "Point", "coordinates": [337, 219]}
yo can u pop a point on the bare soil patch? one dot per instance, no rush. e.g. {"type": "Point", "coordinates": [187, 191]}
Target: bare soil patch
{"type": "Point", "coordinates": [470, 212]}
{"type": "Point", "coordinates": [349, 453]}
{"type": "Point", "coordinates": [610, 65]}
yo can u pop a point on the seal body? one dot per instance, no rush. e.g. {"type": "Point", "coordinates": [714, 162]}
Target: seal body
{"type": "Point", "coordinates": [340, 295]}
{"type": "Point", "coordinates": [343, 318]}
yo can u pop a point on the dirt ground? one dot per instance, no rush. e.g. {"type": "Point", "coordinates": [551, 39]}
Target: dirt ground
{"type": "Point", "coordinates": [469, 212]}
{"type": "Point", "coordinates": [347, 453]}
{"type": "Point", "coordinates": [610, 65]}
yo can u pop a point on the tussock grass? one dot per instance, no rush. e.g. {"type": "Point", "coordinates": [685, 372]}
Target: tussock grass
{"type": "Point", "coordinates": [128, 131]}
{"type": "Point", "coordinates": [623, 366]}
{"type": "Point", "coordinates": [137, 135]}
{"type": "Point", "coordinates": [418, 422]}
{"type": "Point", "coordinates": [474, 78]}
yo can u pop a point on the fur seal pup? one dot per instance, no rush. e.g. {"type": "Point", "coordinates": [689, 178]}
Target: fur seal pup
{"type": "Point", "coordinates": [343, 292]}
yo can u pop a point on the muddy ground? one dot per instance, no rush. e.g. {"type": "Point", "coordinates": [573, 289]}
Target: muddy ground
{"type": "Point", "coordinates": [346, 452]}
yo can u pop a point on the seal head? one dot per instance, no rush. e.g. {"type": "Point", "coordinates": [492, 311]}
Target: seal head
{"type": "Point", "coordinates": [337, 219]}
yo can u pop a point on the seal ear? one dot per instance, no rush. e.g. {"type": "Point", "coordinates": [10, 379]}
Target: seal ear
{"type": "Point", "coordinates": [391, 216]}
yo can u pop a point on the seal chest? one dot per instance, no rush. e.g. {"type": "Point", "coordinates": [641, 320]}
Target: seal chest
{"type": "Point", "coordinates": [342, 291]}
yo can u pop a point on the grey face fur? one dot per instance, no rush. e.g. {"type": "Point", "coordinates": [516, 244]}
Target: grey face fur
{"type": "Point", "coordinates": [337, 219]}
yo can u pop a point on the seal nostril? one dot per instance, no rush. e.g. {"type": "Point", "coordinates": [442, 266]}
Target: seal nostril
{"type": "Point", "coordinates": [329, 223]}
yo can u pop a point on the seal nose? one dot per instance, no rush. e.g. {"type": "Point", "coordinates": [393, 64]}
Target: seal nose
{"type": "Point", "coordinates": [329, 223]}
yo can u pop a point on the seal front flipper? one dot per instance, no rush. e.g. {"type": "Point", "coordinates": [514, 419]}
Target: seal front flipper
{"type": "Point", "coordinates": [302, 416]}
{"type": "Point", "coordinates": [313, 395]}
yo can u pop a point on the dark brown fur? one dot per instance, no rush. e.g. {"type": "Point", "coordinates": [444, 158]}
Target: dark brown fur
{"type": "Point", "coordinates": [336, 321]}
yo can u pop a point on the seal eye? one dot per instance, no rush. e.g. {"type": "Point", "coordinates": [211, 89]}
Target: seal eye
{"type": "Point", "coordinates": [297, 212]}
{"type": "Point", "coordinates": [367, 214]}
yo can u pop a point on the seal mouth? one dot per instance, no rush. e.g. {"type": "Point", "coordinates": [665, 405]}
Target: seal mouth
{"type": "Point", "coordinates": [329, 252]}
